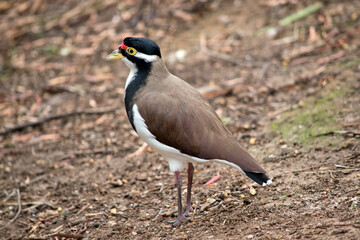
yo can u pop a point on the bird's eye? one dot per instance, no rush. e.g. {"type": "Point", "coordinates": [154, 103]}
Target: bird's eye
{"type": "Point", "coordinates": [131, 50]}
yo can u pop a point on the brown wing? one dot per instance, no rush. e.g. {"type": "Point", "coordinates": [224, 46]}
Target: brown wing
{"type": "Point", "coordinates": [187, 122]}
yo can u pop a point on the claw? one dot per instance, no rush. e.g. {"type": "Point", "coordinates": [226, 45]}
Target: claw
{"type": "Point", "coordinates": [179, 219]}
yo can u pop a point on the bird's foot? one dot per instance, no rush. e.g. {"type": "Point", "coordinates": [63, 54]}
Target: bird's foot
{"type": "Point", "coordinates": [179, 219]}
{"type": "Point", "coordinates": [188, 209]}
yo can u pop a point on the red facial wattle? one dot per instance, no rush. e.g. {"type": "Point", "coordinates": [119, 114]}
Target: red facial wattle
{"type": "Point", "coordinates": [123, 46]}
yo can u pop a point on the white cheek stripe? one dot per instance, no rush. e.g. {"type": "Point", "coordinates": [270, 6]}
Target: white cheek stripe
{"type": "Point", "coordinates": [147, 58]}
{"type": "Point", "coordinates": [177, 160]}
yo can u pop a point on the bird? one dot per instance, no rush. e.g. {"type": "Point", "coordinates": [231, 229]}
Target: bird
{"type": "Point", "coordinates": [174, 119]}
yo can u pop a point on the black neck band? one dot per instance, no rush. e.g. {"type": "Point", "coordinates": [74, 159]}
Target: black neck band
{"type": "Point", "coordinates": [139, 81]}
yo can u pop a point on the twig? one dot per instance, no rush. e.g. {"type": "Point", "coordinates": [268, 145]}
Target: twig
{"type": "Point", "coordinates": [36, 179]}
{"type": "Point", "coordinates": [279, 111]}
{"type": "Point", "coordinates": [59, 89]}
{"type": "Point", "coordinates": [19, 205]}
{"type": "Point", "coordinates": [138, 152]}
{"type": "Point", "coordinates": [353, 190]}
{"type": "Point", "coordinates": [35, 238]}
{"type": "Point", "coordinates": [58, 228]}
{"type": "Point", "coordinates": [89, 152]}
{"type": "Point", "coordinates": [157, 215]}
{"type": "Point", "coordinates": [222, 56]}
{"type": "Point", "coordinates": [346, 167]}
{"type": "Point", "coordinates": [39, 203]}
{"type": "Point", "coordinates": [18, 196]}
{"type": "Point", "coordinates": [330, 58]}
{"type": "Point", "coordinates": [309, 168]}
{"type": "Point", "coordinates": [342, 133]}
{"type": "Point", "coordinates": [65, 235]}
{"type": "Point", "coordinates": [55, 117]}
{"type": "Point", "coordinates": [351, 124]}
{"type": "Point", "coordinates": [83, 209]}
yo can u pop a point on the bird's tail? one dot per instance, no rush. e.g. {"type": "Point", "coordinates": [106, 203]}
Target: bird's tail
{"type": "Point", "coordinates": [260, 178]}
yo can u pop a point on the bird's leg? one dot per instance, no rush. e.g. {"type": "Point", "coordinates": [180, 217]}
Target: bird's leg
{"type": "Point", "coordinates": [190, 172]}
{"type": "Point", "coordinates": [178, 183]}
{"type": "Point", "coordinates": [180, 215]}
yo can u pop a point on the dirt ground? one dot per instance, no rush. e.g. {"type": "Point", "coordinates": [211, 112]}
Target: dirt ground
{"type": "Point", "coordinates": [72, 167]}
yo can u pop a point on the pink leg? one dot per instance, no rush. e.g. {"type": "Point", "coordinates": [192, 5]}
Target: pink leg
{"type": "Point", "coordinates": [180, 215]}
{"type": "Point", "coordinates": [190, 173]}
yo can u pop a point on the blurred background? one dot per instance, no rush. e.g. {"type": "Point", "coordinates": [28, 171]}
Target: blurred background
{"type": "Point", "coordinates": [284, 76]}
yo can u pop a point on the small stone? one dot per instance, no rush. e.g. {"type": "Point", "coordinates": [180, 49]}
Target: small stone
{"type": "Point", "coordinates": [117, 183]}
{"type": "Point", "coordinates": [210, 200]}
{"type": "Point", "coordinates": [112, 223]}
{"type": "Point", "coordinates": [252, 141]}
{"type": "Point", "coordinates": [141, 176]}
{"type": "Point", "coordinates": [252, 191]}
{"type": "Point", "coordinates": [113, 211]}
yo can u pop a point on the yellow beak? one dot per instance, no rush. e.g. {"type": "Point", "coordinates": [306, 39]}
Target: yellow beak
{"type": "Point", "coordinates": [114, 55]}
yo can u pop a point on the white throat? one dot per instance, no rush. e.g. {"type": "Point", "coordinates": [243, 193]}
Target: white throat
{"type": "Point", "coordinates": [132, 74]}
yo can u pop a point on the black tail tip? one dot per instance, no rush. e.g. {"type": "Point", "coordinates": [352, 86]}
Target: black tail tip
{"type": "Point", "coordinates": [259, 178]}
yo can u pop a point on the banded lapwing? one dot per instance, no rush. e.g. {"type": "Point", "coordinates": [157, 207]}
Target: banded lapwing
{"type": "Point", "coordinates": [174, 119]}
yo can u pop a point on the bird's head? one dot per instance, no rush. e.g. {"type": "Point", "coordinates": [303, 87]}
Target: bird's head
{"type": "Point", "coordinates": [136, 51]}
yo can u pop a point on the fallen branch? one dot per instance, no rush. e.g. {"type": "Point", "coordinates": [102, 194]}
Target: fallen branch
{"type": "Point", "coordinates": [351, 124]}
{"type": "Point", "coordinates": [56, 117]}
{"type": "Point", "coordinates": [342, 133]}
